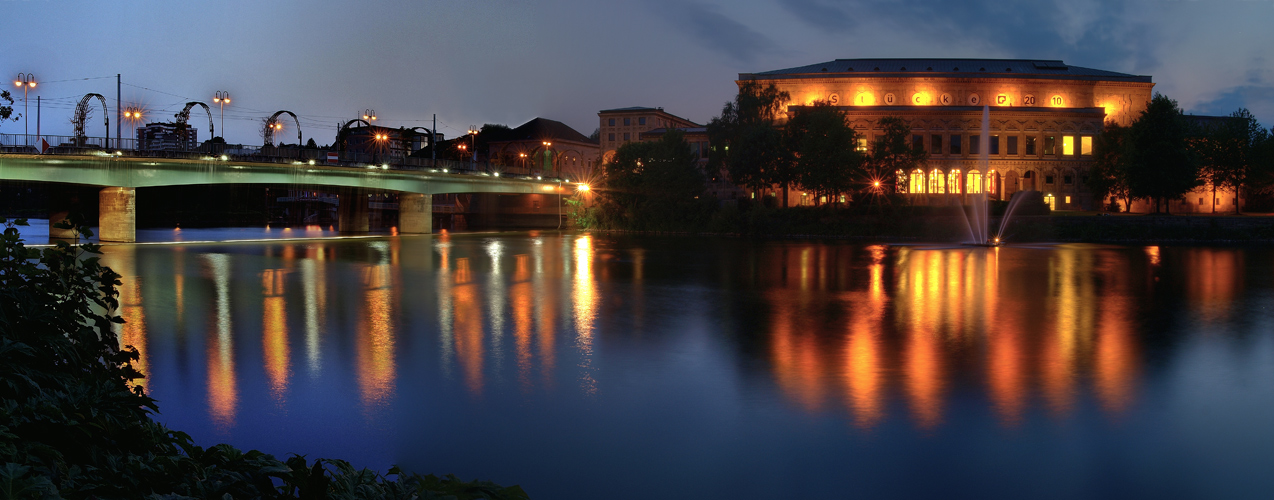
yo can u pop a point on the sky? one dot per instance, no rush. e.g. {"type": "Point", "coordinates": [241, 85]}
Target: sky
{"type": "Point", "coordinates": [507, 61]}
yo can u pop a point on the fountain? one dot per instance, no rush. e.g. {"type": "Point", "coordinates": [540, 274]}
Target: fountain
{"type": "Point", "coordinates": [977, 213]}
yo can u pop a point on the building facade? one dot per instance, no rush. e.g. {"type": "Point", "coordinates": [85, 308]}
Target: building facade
{"type": "Point", "coordinates": [1044, 115]}
{"type": "Point", "coordinates": [167, 137]}
{"type": "Point", "coordinates": [546, 147]}
{"type": "Point", "coordinates": [624, 125]}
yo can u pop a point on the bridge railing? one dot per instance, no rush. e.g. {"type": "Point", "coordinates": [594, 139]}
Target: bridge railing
{"type": "Point", "coordinates": [69, 145]}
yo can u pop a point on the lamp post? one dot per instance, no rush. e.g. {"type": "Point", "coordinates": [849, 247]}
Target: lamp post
{"type": "Point", "coordinates": [25, 81]}
{"type": "Point", "coordinates": [132, 115]}
{"type": "Point", "coordinates": [473, 144]}
{"type": "Point", "coordinates": [369, 115]}
{"type": "Point", "coordinates": [547, 154]}
{"type": "Point", "coordinates": [223, 98]}
{"type": "Point", "coordinates": [522, 159]}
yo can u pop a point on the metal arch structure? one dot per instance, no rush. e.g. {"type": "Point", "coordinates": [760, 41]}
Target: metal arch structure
{"type": "Point", "coordinates": [184, 115]}
{"type": "Point", "coordinates": [274, 120]}
{"type": "Point", "coordinates": [82, 111]}
{"type": "Point", "coordinates": [342, 134]}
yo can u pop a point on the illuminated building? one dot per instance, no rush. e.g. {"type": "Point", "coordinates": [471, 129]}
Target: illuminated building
{"type": "Point", "coordinates": [543, 146]}
{"type": "Point", "coordinates": [1043, 119]}
{"type": "Point", "coordinates": [624, 125]}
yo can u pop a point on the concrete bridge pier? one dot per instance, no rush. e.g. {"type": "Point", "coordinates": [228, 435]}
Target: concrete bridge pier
{"type": "Point", "coordinates": [352, 213]}
{"type": "Point", "coordinates": [117, 215]}
{"type": "Point", "coordinates": [415, 213]}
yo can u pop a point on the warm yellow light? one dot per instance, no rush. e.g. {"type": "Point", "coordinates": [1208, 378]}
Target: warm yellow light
{"type": "Point", "coordinates": [876, 184]}
{"type": "Point", "coordinates": [865, 99]}
{"type": "Point", "coordinates": [582, 187]}
{"type": "Point", "coordinates": [31, 84]}
{"type": "Point", "coordinates": [920, 99]}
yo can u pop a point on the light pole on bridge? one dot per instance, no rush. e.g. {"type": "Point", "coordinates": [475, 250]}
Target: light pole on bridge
{"type": "Point", "coordinates": [25, 81]}
{"type": "Point", "coordinates": [223, 98]}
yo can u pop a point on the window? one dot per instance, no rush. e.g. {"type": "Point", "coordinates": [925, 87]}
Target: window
{"type": "Point", "coordinates": [955, 144]}
{"type": "Point", "coordinates": [917, 184]}
{"type": "Point", "coordinates": [1067, 179]}
{"type": "Point", "coordinates": [861, 147]}
{"type": "Point", "coordinates": [627, 122]}
{"type": "Point", "coordinates": [975, 144]}
{"type": "Point", "coordinates": [937, 184]}
{"type": "Point", "coordinates": [641, 121]}
{"type": "Point", "coordinates": [1068, 145]}
{"type": "Point", "coordinates": [1086, 145]}
{"type": "Point", "coordinates": [1050, 145]}
{"type": "Point", "coordinates": [1068, 200]}
{"type": "Point", "coordinates": [1030, 146]}
{"type": "Point", "coordinates": [995, 145]}
{"type": "Point", "coordinates": [935, 144]}
{"type": "Point", "coordinates": [1012, 144]}
{"type": "Point", "coordinates": [974, 182]}
{"type": "Point", "coordinates": [1048, 179]}
{"type": "Point", "coordinates": [610, 122]}
{"type": "Point", "coordinates": [625, 133]}
{"type": "Point", "coordinates": [610, 136]}
{"type": "Point", "coordinates": [694, 149]}
{"type": "Point", "coordinates": [953, 181]}
{"type": "Point", "coordinates": [918, 142]}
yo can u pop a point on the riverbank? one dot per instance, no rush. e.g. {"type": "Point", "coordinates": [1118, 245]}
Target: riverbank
{"type": "Point", "coordinates": [949, 225]}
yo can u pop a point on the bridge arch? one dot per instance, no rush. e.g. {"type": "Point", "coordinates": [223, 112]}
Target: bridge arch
{"type": "Point", "coordinates": [272, 124]}
{"type": "Point", "coordinates": [184, 116]}
{"type": "Point", "coordinates": [82, 111]}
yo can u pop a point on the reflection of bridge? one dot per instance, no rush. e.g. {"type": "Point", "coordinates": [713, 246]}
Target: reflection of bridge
{"type": "Point", "coordinates": [121, 176]}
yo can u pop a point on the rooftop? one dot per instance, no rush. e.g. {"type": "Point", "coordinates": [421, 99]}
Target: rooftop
{"type": "Point", "coordinates": [540, 129]}
{"type": "Point", "coordinates": [966, 68]}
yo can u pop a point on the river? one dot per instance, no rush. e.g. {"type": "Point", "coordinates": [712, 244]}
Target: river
{"type": "Point", "coordinates": [604, 366]}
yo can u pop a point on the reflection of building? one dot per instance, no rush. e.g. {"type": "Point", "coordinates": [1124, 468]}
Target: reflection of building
{"type": "Point", "coordinates": [167, 137]}
{"type": "Point", "coordinates": [1044, 115]}
{"type": "Point", "coordinates": [624, 125]}
{"type": "Point", "coordinates": [568, 152]}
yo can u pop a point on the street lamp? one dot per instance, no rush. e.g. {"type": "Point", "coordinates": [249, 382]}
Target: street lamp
{"type": "Point", "coordinates": [369, 115]}
{"type": "Point", "coordinates": [547, 145]}
{"type": "Point", "coordinates": [522, 159]}
{"type": "Point", "coordinates": [473, 144]}
{"type": "Point", "coordinates": [133, 115]}
{"type": "Point", "coordinates": [25, 81]}
{"type": "Point", "coordinates": [223, 98]}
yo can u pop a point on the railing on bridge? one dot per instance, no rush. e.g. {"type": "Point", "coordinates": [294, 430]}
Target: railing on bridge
{"type": "Point", "coordinates": [69, 145]}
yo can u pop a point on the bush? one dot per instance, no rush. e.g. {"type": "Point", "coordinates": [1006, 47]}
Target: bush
{"type": "Point", "coordinates": [75, 422]}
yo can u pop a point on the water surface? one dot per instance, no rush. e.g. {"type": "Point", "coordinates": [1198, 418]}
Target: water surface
{"type": "Point", "coordinates": [597, 366]}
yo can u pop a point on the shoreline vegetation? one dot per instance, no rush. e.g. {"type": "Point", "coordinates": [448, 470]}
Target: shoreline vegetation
{"type": "Point", "coordinates": [75, 420]}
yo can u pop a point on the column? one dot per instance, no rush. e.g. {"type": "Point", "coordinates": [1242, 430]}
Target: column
{"type": "Point", "coordinates": [117, 214]}
{"type": "Point", "coordinates": [415, 213]}
{"type": "Point", "coordinates": [352, 212]}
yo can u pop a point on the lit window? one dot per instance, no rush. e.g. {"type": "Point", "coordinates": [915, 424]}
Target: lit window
{"type": "Point", "coordinates": [917, 181]}
{"type": "Point", "coordinates": [974, 182]}
{"type": "Point", "coordinates": [862, 145]}
{"type": "Point", "coordinates": [1068, 145]}
{"type": "Point", "coordinates": [1086, 145]}
{"type": "Point", "coordinates": [936, 184]}
{"type": "Point", "coordinates": [953, 181]}
{"type": "Point", "coordinates": [1068, 200]}
{"type": "Point", "coordinates": [990, 181]}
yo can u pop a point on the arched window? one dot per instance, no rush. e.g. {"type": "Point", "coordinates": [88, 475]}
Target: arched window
{"type": "Point", "coordinates": [991, 179]}
{"type": "Point", "coordinates": [953, 182]}
{"type": "Point", "coordinates": [974, 182]}
{"type": "Point", "coordinates": [917, 181]}
{"type": "Point", "coordinates": [900, 181]}
{"type": "Point", "coordinates": [937, 182]}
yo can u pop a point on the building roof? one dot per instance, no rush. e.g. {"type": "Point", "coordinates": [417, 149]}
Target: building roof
{"type": "Point", "coordinates": [687, 130]}
{"type": "Point", "coordinates": [540, 129]}
{"type": "Point", "coordinates": [632, 109]}
{"type": "Point", "coordinates": [965, 68]}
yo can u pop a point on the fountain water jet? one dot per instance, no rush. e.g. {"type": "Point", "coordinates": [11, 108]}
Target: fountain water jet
{"type": "Point", "coordinates": [977, 214]}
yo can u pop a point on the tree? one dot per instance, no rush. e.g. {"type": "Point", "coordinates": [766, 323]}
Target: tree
{"type": "Point", "coordinates": [653, 185]}
{"type": "Point", "coordinates": [747, 143]}
{"type": "Point", "coordinates": [1163, 166]}
{"type": "Point", "coordinates": [894, 152]}
{"type": "Point", "coordinates": [6, 106]}
{"type": "Point", "coordinates": [1229, 153]}
{"type": "Point", "coordinates": [822, 142]}
{"type": "Point", "coordinates": [1109, 174]}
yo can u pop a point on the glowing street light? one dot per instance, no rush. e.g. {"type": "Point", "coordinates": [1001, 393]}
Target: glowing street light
{"type": "Point", "coordinates": [547, 154]}
{"type": "Point", "coordinates": [369, 115]}
{"type": "Point", "coordinates": [223, 98]}
{"type": "Point", "coordinates": [133, 115]}
{"type": "Point", "coordinates": [25, 81]}
{"type": "Point", "coordinates": [473, 144]}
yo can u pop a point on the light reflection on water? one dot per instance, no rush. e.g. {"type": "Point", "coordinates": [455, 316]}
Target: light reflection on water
{"type": "Point", "coordinates": [417, 350]}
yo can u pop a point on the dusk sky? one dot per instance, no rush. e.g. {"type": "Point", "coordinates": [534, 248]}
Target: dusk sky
{"type": "Point", "coordinates": [507, 61]}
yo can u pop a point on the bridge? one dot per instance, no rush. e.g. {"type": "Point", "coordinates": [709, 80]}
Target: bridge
{"type": "Point", "coordinates": [120, 176]}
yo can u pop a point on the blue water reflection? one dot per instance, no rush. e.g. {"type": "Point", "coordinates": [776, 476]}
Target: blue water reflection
{"type": "Point", "coordinates": [586, 366]}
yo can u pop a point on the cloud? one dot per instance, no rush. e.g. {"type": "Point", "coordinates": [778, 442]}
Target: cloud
{"type": "Point", "coordinates": [820, 14]}
{"type": "Point", "coordinates": [716, 31]}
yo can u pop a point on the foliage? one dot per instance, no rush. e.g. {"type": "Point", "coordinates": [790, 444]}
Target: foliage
{"type": "Point", "coordinates": [1111, 157]}
{"type": "Point", "coordinates": [893, 152]}
{"type": "Point", "coordinates": [746, 142]}
{"type": "Point", "coordinates": [75, 424]}
{"type": "Point", "coordinates": [1162, 166]}
{"type": "Point", "coordinates": [6, 106]}
{"type": "Point", "coordinates": [653, 186]}
{"type": "Point", "coordinates": [1229, 151]}
{"type": "Point", "coordinates": [823, 144]}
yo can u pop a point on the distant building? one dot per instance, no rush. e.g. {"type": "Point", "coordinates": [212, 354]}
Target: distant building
{"type": "Point", "coordinates": [623, 125]}
{"type": "Point", "coordinates": [718, 183]}
{"type": "Point", "coordinates": [543, 146]}
{"type": "Point", "coordinates": [167, 137]}
{"type": "Point", "coordinates": [1044, 115]}
{"type": "Point", "coordinates": [381, 143]}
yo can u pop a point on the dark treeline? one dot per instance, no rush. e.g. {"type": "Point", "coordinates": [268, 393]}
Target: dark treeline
{"type": "Point", "coordinates": [659, 186]}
